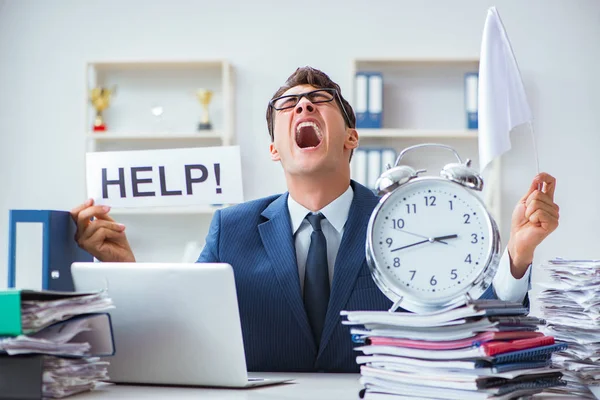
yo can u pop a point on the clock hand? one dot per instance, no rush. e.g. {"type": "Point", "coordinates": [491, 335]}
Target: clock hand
{"type": "Point", "coordinates": [440, 238]}
{"type": "Point", "coordinates": [410, 245]}
{"type": "Point", "coordinates": [430, 240]}
{"type": "Point", "coordinates": [421, 236]}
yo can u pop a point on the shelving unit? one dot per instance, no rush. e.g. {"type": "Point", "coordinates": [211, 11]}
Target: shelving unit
{"type": "Point", "coordinates": [424, 101]}
{"type": "Point", "coordinates": [111, 136]}
{"type": "Point", "coordinates": [168, 86]}
{"type": "Point", "coordinates": [421, 94]}
{"type": "Point", "coordinates": [417, 133]}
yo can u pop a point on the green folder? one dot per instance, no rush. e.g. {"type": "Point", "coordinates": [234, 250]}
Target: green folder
{"type": "Point", "coordinates": [10, 313]}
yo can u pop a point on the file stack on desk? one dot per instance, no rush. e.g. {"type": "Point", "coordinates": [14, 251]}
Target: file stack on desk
{"type": "Point", "coordinates": [488, 349]}
{"type": "Point", "coordinates": [51, 343]}
{"type": "Point", "coordinates": [571, 305]}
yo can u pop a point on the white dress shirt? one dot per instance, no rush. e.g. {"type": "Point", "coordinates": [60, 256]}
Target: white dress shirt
{"type": "Point", "coordinates": [336, 214]}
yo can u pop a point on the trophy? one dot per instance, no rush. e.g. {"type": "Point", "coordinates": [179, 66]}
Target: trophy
{"type": "Point", "coordinates": [204, 96]}
{"type": "Point", "coordinates": [100, 99]}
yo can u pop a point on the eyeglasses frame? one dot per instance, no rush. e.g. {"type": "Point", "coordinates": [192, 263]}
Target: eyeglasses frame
{"type": "Point", "coordinates": [301, 95]}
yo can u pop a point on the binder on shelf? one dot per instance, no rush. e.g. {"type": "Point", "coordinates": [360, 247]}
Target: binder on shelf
{"type": "Point", "coordinates": [369, 163]}
{"type": "Point", "coordinates": [471, 99]}
{"type": "Point", "coordinates": [388, 158]}
{"type": "Point", "coordinates": [41, 250]}
{"type": "Point", "coordinates": [374, 169]}
{"type": "Point", "coordinates": [369, 100]}
{"type": "Point", "coordinates": [358, 166]}
{"type": "Point", "coordinates": [375, 100]}
{"type": "Point", "coordinates": [361, 99]}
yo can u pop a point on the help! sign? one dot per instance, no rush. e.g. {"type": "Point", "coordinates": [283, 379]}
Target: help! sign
{"type": "Point", "coordinates": [174, 177]}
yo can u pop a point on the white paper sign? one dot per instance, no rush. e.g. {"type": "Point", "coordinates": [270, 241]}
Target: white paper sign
{"type": "Point", "coordinates": [175, 177]}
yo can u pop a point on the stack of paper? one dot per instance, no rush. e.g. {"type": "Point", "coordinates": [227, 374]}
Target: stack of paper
{"type": "Point", "coordinates": [63, 338]}
{"type": "Point", "coordinates": [487, 349]}
{"type": "Point", "coordinates": [40, 312]}
{"type": "Point", "coordinates": [66, 376]}
{"type": "Point", "coordinates": [571, 305]}
{"type": "Point", "coordinates": [53, 341]}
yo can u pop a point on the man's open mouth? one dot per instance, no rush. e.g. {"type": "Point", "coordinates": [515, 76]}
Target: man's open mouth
{"type": "Point", "coordinates": [308, 134]}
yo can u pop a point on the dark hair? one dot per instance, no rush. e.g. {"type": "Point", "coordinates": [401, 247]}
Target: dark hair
{"type": "Point", "coordinates": [314, 77]}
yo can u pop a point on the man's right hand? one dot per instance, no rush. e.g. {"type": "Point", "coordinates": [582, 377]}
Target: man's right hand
{"type": "Point", "coordinates": [101, 236]}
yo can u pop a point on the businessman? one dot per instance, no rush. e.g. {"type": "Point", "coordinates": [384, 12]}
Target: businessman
{"type": "Point", "coordinates": [299, 257]}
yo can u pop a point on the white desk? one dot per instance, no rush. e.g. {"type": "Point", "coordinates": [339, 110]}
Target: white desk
{"type": "Point", "coordinates": [305, 386]}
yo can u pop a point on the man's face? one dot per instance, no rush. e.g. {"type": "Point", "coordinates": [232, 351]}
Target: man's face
{"type": "Point", "coordinates": [311, 138]}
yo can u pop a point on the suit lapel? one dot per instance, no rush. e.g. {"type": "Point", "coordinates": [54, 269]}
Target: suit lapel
{"type": "Point", "coordinates": [279, 244]}
{"type": "Point", "coordinates": [350, 257]}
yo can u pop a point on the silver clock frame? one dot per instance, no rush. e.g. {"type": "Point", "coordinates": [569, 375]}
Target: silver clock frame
{"type": "Point", "coordinates": [401, 177]}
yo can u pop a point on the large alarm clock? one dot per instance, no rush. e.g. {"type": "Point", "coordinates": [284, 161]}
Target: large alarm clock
{"type": "Point", "coordinates": [431, 243]}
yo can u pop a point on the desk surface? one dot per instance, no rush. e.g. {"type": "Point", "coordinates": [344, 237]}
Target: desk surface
{"type": "Point", "coordinates": [304, 386]}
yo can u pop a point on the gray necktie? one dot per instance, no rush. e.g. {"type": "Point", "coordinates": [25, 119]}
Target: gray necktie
{"type": "Point", "coordinates": [316, 278]}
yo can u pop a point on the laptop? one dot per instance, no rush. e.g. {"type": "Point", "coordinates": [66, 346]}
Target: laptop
{"type": "Point", "coordinates": [173, 323]}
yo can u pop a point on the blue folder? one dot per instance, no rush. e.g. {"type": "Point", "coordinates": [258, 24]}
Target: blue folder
{"type": "Point", "coordinates": [59, 247]}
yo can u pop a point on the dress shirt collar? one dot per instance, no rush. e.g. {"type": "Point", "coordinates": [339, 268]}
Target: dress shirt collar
{"type": "Point", "coordinates": [336, 212]}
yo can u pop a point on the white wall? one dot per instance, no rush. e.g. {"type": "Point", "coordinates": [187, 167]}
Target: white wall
{"type": "Point", "coordinates": [44, 46]}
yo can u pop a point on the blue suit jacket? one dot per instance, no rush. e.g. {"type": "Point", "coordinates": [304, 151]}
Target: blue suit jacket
{"type": "Point", "coordinates": [256, 239]}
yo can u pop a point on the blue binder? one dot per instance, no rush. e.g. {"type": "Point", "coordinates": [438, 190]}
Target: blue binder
{"type": "Point", "coordinates": [59, 247]}
{"type": "Point", "coordinates": [533, 354]}
{"type": "Point", "coordinates": [369, 100]}
{"type": "Point", "coordinates": [472, 99]}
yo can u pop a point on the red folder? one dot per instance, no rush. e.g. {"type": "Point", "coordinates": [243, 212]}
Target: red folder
{"type": "Point", "coordinates": [493, 348]}
{"type": "Point", "coordinates": [453, 344]}
{"type": "Point", "coordinates": [487, 350]}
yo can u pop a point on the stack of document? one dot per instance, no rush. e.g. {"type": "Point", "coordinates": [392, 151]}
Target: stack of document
{"type": "Point", "coordinates": [571, 305]}
{"type": "Point", "coordinates": [66, 376]}
{"type": "Point", "coordinates": [53, 341]}
{"type": "Point", "coordinates": [487, 349]}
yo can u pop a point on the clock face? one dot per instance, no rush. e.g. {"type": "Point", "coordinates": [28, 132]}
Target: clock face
{"type": "Point", "coordinates": [430, 239]}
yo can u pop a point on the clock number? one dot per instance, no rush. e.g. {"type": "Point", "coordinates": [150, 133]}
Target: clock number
{"type": "Point", "coordinates": [414, 208]}
{"type": "Point", "coordinates": [450, 201]}
{"type": "Point", "coordinates": [413, 274]}
{"type": "Point", "coordinates": [429, 201]}
{"type": "Point", "coordinates": [468, 259]}
{"type": "Point", "coordinates": [396, 262]}
{"type": "Point", "coordinates": [433, 282]}
{"type": "Point", "coordinates": [389, 242]}
{"type": "Point", "coordinates": [453, 274]}
{"type": "Point", "coordinates": [467, 217]}
{"type": "Point", "coordinates": [398, 223]}
{"type": "Point", "coordinates": [474, 236]}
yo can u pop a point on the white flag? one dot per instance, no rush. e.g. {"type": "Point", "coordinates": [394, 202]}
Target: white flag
{"type": "Point", "coordinates": [502, 101]}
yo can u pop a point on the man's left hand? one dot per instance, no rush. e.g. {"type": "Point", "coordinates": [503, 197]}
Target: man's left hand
{"type": "Point", "coordinates": [533, 219]}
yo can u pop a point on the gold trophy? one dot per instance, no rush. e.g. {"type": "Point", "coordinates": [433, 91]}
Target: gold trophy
{"type": "Point", "coordinates": [204, 96]}
{"type": "Point", "coordinates": [100, 99]}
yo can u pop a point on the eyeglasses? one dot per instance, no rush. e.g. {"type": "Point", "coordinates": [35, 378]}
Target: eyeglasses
{"type": "Point", "coordinates": [324, 95]}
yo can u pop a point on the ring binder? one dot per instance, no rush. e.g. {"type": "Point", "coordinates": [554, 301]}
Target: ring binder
{"type": "Point", "coordinates": [59, 248]}
{"type": "Point", "coordinates": [21, 377]}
